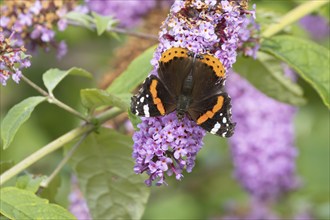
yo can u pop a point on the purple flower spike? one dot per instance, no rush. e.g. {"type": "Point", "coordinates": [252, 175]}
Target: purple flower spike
{"type": "Point", "coordinates": [12, 60]}
{"type": "Point", "coordinates": [317, 26]}
{"type": "Point", "coordinates": [263, 145]}
{"type": "Point", "coordinates": [128, 13]}
{"type": "Point", "coordinates": [34, 22]}
{"type": "Point", "coordinates": [164, 145]}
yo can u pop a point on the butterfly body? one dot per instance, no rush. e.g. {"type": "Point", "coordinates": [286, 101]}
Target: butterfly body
{"type": "Point", "coordinates": [191, 84]}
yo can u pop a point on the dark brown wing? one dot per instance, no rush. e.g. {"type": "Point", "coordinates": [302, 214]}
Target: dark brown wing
{"type": "Point", "coordinates": [153, 99]}
{"type": "Point", "coordinates": [205, 82]}
{"type": "Point", "coordinates": [210, 107]}
{"type": "Point", "coordinates": [173, 73]}
{"type": "Point", "coordinates": [214, 114]}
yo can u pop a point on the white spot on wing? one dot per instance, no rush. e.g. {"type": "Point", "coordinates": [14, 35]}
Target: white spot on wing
{"type": "Point", "coordinates": [224, 134]}
{"type": "Point", "coordinates": [146, 111]}
{"type": "Point", "coordinates": [215, 128]}
{"type": "Point", "coordinates": [142, 99]}
{"type": "Point", "coordinates": [224, 120]}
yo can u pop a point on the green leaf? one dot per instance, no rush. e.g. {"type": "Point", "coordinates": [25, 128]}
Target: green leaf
{"type": "Point", "coordinates": [23, 204]}
{"type": "Point", "coordinates": [16, 116]}
{"type": "Point", "coordinates": [51, 191]}
{"type": "Point", "coordinates": [30, 183]}
{"type": "Point", "coordinates": [53, 77]}
{"type": "Point", "coordinates": [102, 22]}
{"type": "Point", "coordinates": [104, 167]}
{"type": "Point", "coordinates": [308, 59]}
{"type": "Point", "coordinates": [80, 18]}
{"type": "Point", "coordinates": [93, 98]}
{"type": "Point", "coordinates": [266, 74]}
{"type": "Point", "coordinates": [135, 74]}
{"type": "Point", "coordinates": [5, 165]}
{"type": "Point", "coordinates": [135, 120]}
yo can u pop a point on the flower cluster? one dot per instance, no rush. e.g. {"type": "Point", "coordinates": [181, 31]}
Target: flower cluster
{"type": "Point", "coordinates": [207, 26]}
{"type": "Point", "coordinates": [12, 59]}
{"type": "Point", "coordinates": [165, 145]}
{"type": "Point", "coordinates": [33, 22]}
{"type": "Point", "coordinates": [263, 145]}
{"type": "Point", "coordinates": [128, 13]}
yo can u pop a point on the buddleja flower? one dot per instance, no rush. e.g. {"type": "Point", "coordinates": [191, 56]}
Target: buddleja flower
{"type": "Point", "coordinates": [263, 145]}
{"type": "Point", "coordinates": [12, 59]}
{"type": "Point", "coordinates": [317, 26]}
{"type": "Point", "coordinates": [34, 22]}
{"type": "Point", "coordinates": [165, 145]}
{"type": "Point", "coordinates": [128, 13]}
{"type": "Point", "coordinates": [262, 148]}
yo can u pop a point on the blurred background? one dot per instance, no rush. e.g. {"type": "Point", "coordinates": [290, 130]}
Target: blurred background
{"type": "Point", "coordinates": [210, 191]}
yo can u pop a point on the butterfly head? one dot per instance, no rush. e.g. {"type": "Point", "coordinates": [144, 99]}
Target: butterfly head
{"type": "Point", "coordinates": [180, 115]}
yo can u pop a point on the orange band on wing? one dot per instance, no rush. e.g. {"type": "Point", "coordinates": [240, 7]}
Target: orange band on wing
{"type": "Point", "coordinates": [173, 52]}
{"type": "Point", "coordinates": [210, 114]}
{"type": "Point", "coordinates": [155, 98]}
{"type": "Point", "coordinates": [215, 63]}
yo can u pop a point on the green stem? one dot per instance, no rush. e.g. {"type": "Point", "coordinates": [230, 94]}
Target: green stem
{"type": "Point", "coordinates": [294, 15]}
{"type": "Point", "coordinates": [52, 99]}
{"type": "Point", "coordinates": [44, 184]}
{"type": "Point", "coordinates": [49, 148]}
{"type": "Point", "coordinates": [119, 31]}
{"type": "Point", "coordinates": [57, 144]}
{"type": "Point", "coordinates": [35, 86]}
{"type": "Point", "coordinates": [67, 108]}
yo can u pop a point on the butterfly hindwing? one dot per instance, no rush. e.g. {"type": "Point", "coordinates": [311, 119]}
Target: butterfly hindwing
{"type": "Point", "coordinates": [153, 99]}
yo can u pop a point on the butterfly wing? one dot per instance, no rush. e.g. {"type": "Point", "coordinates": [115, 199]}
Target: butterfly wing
{"type": "Point", "coordinates": [153, 99]}
{"type": "Point", "coordinates": [214, 114]}
{"type": "Point", "coordinates": [174, 67]}
{"type": "Point", "coordinates": [210, 107]}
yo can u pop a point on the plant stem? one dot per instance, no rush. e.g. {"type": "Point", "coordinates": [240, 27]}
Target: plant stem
{"type": "Point", "coordinates": [45, 183]}
{"type": "Point", "coordinates": [119, 30]}
{"type": "Point", "coordinates": [35, 86]}
{"type": "Point", "coordinates": [293, 16]}
{"type": "Point", "coordinates": [133, 33]}
{"type": "Point", "coordinates": [52, 99]}
{"type": "Point", "coordinates": [111, 113]}
{"type": "Point", "coordinates": [49, 148]}
{"type": "Point", "coordinates": [57, 144]}
{"type": "Point", "coordinates": [68, 108]}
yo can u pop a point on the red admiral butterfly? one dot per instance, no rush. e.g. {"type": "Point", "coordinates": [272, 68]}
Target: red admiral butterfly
{"type": "Point", "coordinates": [191, 84]}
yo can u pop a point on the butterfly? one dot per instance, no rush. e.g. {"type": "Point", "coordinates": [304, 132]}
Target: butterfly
{"type": "Point", "coordinates": [193, 85]}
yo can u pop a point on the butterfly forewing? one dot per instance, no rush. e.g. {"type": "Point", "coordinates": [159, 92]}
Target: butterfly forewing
{"type": "Point", "coordinates": [205, 82]}
{"type": "Point", "coordinates": [153, 99]}
{"type": "Point", "coordinates": [173, 73]}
